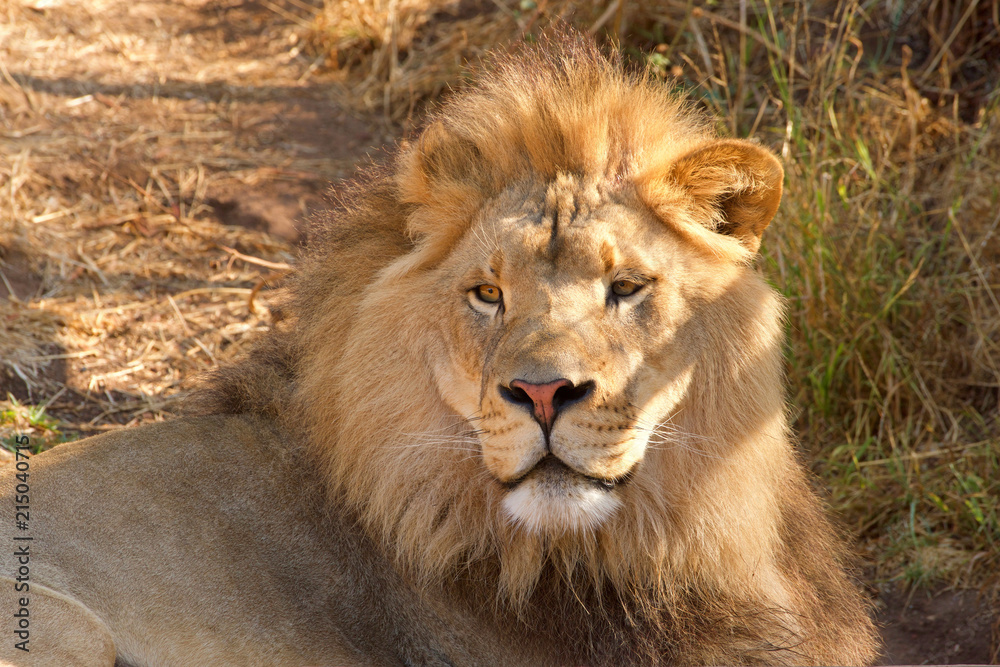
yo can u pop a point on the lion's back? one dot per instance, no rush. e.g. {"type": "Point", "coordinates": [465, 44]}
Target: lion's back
{"type": "Point", "coordinates": [184, 529]}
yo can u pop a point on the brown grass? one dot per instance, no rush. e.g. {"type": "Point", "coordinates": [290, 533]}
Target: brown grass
{"type": "Point", "coordinates": [398, 54]}
{"type": "Point", "coordinates": [117, 280]}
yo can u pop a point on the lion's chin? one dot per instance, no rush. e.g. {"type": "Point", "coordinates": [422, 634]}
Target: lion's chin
{"type": "Point", "coordinates": [553, 499]}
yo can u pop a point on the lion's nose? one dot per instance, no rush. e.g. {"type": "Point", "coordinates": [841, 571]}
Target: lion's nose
{"type": "Point", "coordinates": [545, 399]}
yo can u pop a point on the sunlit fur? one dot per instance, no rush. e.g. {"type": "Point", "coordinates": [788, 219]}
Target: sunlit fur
{"type": "Point", "coordinates": [715, 550]}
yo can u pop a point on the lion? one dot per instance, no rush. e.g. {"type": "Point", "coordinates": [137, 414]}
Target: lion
{"type": "Point", "coordinates": [527, 408]}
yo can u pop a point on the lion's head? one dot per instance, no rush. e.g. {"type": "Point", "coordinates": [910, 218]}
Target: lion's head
{"type": "Point", "coordinates": [563, 354]}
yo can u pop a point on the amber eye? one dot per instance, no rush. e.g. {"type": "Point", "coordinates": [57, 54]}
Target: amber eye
{"type": "Point", "coordinates": [488, 293]}
{"type": "Point", "coordinates": [625, 287]}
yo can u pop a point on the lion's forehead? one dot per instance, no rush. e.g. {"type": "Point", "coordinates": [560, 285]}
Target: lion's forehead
{"type": "Point", "coordinates": [567, 249]}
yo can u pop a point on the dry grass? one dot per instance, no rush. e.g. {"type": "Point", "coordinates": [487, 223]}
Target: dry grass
{"type": "Point", "coordinates": [887, 245]}
{"type": "Point", "coordinates": [116, 128]}
{"type": "Point", "coordinates": [397, 54]}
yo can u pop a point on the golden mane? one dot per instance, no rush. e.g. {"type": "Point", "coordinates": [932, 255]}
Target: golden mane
{"type": "Point", "coordinates": [347, 375]}
{"type": "Point", "coordinates": [562, 108]}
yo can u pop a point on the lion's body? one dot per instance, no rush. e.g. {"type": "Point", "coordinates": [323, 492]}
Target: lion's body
{"type": "Point", "coordinates": [528, 409]}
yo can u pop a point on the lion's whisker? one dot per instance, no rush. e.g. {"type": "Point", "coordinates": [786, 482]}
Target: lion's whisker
{"type": "Point", "coordinates": [437, 441]}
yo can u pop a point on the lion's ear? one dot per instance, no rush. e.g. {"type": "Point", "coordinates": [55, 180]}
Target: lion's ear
{"type": "Point", "coordinates": [733, 186]}
{"type": "Point", "coordinates": [442, 174]}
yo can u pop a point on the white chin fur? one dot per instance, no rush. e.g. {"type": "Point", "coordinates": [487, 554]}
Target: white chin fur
{"type": "Point", "coordinates": [542, 509]}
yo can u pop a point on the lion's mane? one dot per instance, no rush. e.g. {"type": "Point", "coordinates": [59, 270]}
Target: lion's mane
{"type": "Point", "coordinates": [673, 576]}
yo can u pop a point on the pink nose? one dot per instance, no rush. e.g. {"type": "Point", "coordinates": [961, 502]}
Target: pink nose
{"type": "Point", "coordinates": [543, 399]}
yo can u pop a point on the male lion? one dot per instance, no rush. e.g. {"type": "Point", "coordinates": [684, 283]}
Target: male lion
{"type": "Point", "coordinates": [528, 409]}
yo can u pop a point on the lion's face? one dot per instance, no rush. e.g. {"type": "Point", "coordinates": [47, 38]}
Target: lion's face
{"type": "Point", "coordinates": [566, 345]}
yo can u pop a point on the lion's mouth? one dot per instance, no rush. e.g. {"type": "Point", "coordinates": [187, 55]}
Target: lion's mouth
{"type": "Point", "coordinates": [552, 472]}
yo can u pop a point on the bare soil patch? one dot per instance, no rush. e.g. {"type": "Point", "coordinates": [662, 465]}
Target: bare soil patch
{"type": "Point", "coordinates": [945, 627]}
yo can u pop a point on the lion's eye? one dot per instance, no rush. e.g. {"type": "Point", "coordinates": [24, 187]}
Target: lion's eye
{"type": "Point", "coordinates": [625, 287]}
{"type": "Point", "coordinates": [488, 293]}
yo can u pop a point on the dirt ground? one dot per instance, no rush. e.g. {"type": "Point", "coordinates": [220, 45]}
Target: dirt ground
{"type": "Point", "coordinates": [158, 159]}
